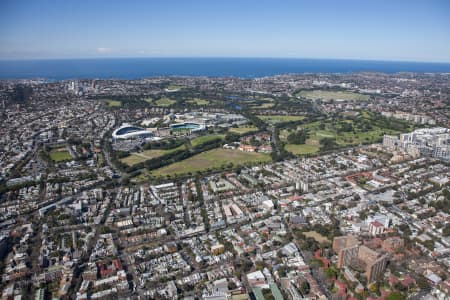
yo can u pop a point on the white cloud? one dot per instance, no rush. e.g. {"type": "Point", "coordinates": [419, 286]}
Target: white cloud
{"type": "Point", "coordinates": [103, 50]}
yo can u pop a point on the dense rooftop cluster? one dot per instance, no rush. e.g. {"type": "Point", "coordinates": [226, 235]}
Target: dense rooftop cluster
{"type": "Point", "coordinates": [314, 186]}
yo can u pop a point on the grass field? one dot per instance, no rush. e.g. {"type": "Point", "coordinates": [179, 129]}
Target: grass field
{"type": "Point", "coordinates": [101, 159]}
{"type": "Point", "coordinates": [317, 236]}
{"type": "Point", "coordinates": [302, 149]}
{"type": "Point", "coordinates": [113, 103]}
{"type": "Point", "coordinates": [279, 118]}
{"type": "Point", "coordinates": [317, 132]}
{"type": "Point", "coordinates": [139, 157]}
{"type": "Point", "coordinates": [372, 136]}
{"type": "Point", "coordinates": [344, 138]}
{"type": "Point", "coordinates": [60, 154]}
{"type": "Point", "coordinates": [198, 101]}
{"type": "Point", "coordinates": [320, 134]}
{"type": "Point", "coordinates": [348, 138]}
{"type": "Point", "coordinates": [210, 160]}
{"type": "Point", "coordinates": [243, 129]}
{"type": "Point", "coordinates": [329, 95]}
{"type": "Point", "coordinates": [164, 102]}
{"type": "Point", "coordinates": [148, 100]}
{"type": "Point", "coordinates": [205, 139]}
{"type": "Point", "coordinates": [263, 105]}
{"type": "Point", "coordinates": [180, 131]}
{"type": "Point", "coordinates": [174, 88]}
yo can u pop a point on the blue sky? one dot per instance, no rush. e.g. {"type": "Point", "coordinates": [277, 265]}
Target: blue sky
{"type": "Point", "coordinates": [415, 30]}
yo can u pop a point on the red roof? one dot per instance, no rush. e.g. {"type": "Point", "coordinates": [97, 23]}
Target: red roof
{"type": "Point", "coordinates": [393, 280]}
{"type": "Point", "coordinates": [117, 264]}
{"type": "Point", "coordinates": [247, 147]}
{"type": "Point", "coordinates": [295, 198]}
{"type": "Point", "coordinates": [408, 281]}
{"type": "Point", "coordinates": [342, 287]}
{"type": "Point", "coordinates": [376, 224]}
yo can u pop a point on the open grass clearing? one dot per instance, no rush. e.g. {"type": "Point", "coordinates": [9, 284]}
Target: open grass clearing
{"type": "Point", "coordinates": [279, 118]}
{"type": "Point", "coordinates": [372, 136]}
{"type": "Point", "coordinates": [317, 236]}
{"type": "Point", "coordinates": [174, 88]}
{"type": "Point", "coordinates": [60, 154]}
{"type": "Point", "coordinates": [318, 132]}
{"type": "Point", "coordinates": [164, 102]}
{"type": "Point", "coordinates": [138, 157]}
{"type": "Point", "coordinates": [302, 149]}
{"type": "Point", "coordinates": [211, 159]}
{"type": "Point", "coordinates": [243, 129]}
{"type": "Point", "coordinates": [113, 103]}
{"type": "Point", "coordinates": [101, 159]}
{"type": "Point", "coordinates": [263, 105]}
{"type": "Point", "coordinates": [206, 139]}
{"type": "Point", "coordinates": [333, 95]}
{"type": "Point", "coordinates": [347, 138]}
{"type": "Point", "coordinates": [198, 101]}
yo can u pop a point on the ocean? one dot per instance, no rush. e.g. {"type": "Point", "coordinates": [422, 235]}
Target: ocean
{"type": "Point", "coordinates": [135, 68]}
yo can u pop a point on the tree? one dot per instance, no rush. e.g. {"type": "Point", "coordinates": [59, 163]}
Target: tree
{"type": "Point", "coordinates": [231, 137]}
{"type": "Point", "coordinates": [331, 272]}
{"type": "Point", "coordinates": [345, 127]}
{"type": "Point", "coordinates": [446, 230]}
{"type": "Point", "coordinates": [243, 265]}
{"type": "Point", "coordinates": [316, 263]}
{"type": "Point", "coordinates": [446, 194]}
{"type": "Point", "coordinates": [328, 143]}
{"type": "Point", "coordinates": [298, 137]}
{"type": "Point", "coordinates": [423, 283]}
{"type": "Point", "coordinates": [396, 296]}
{"type": "Point", "coordinates": [259, 265]}
{"type": "Point", "coordinates": [231, 285]}
{"type": "Point", "coordinates": [282, 271]}
{"type": "Point", "coordinates": [268, 294]}
{"type": "Point", "coordinates": [374, 288]}
{"type": "Point", "coordinates": [305, 288]}
{"type": "Point", "coordinates": [429, 244]}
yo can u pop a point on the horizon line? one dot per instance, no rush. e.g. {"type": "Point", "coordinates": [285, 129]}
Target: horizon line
{"type": "Point", "coordinates": [221, 57]}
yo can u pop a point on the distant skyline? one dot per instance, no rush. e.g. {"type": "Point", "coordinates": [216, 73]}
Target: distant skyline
{"type": "Point", "coordinates": [406, 30]}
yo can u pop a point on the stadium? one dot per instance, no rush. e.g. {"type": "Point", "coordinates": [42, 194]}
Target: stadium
{"type": "Point", "coordinates": [127, 131]}
{"type": "Point", "coordinates": [193, 127]}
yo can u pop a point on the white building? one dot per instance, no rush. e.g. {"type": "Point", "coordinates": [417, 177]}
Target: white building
{"type": "Point", "coordinates": [431, 142]}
